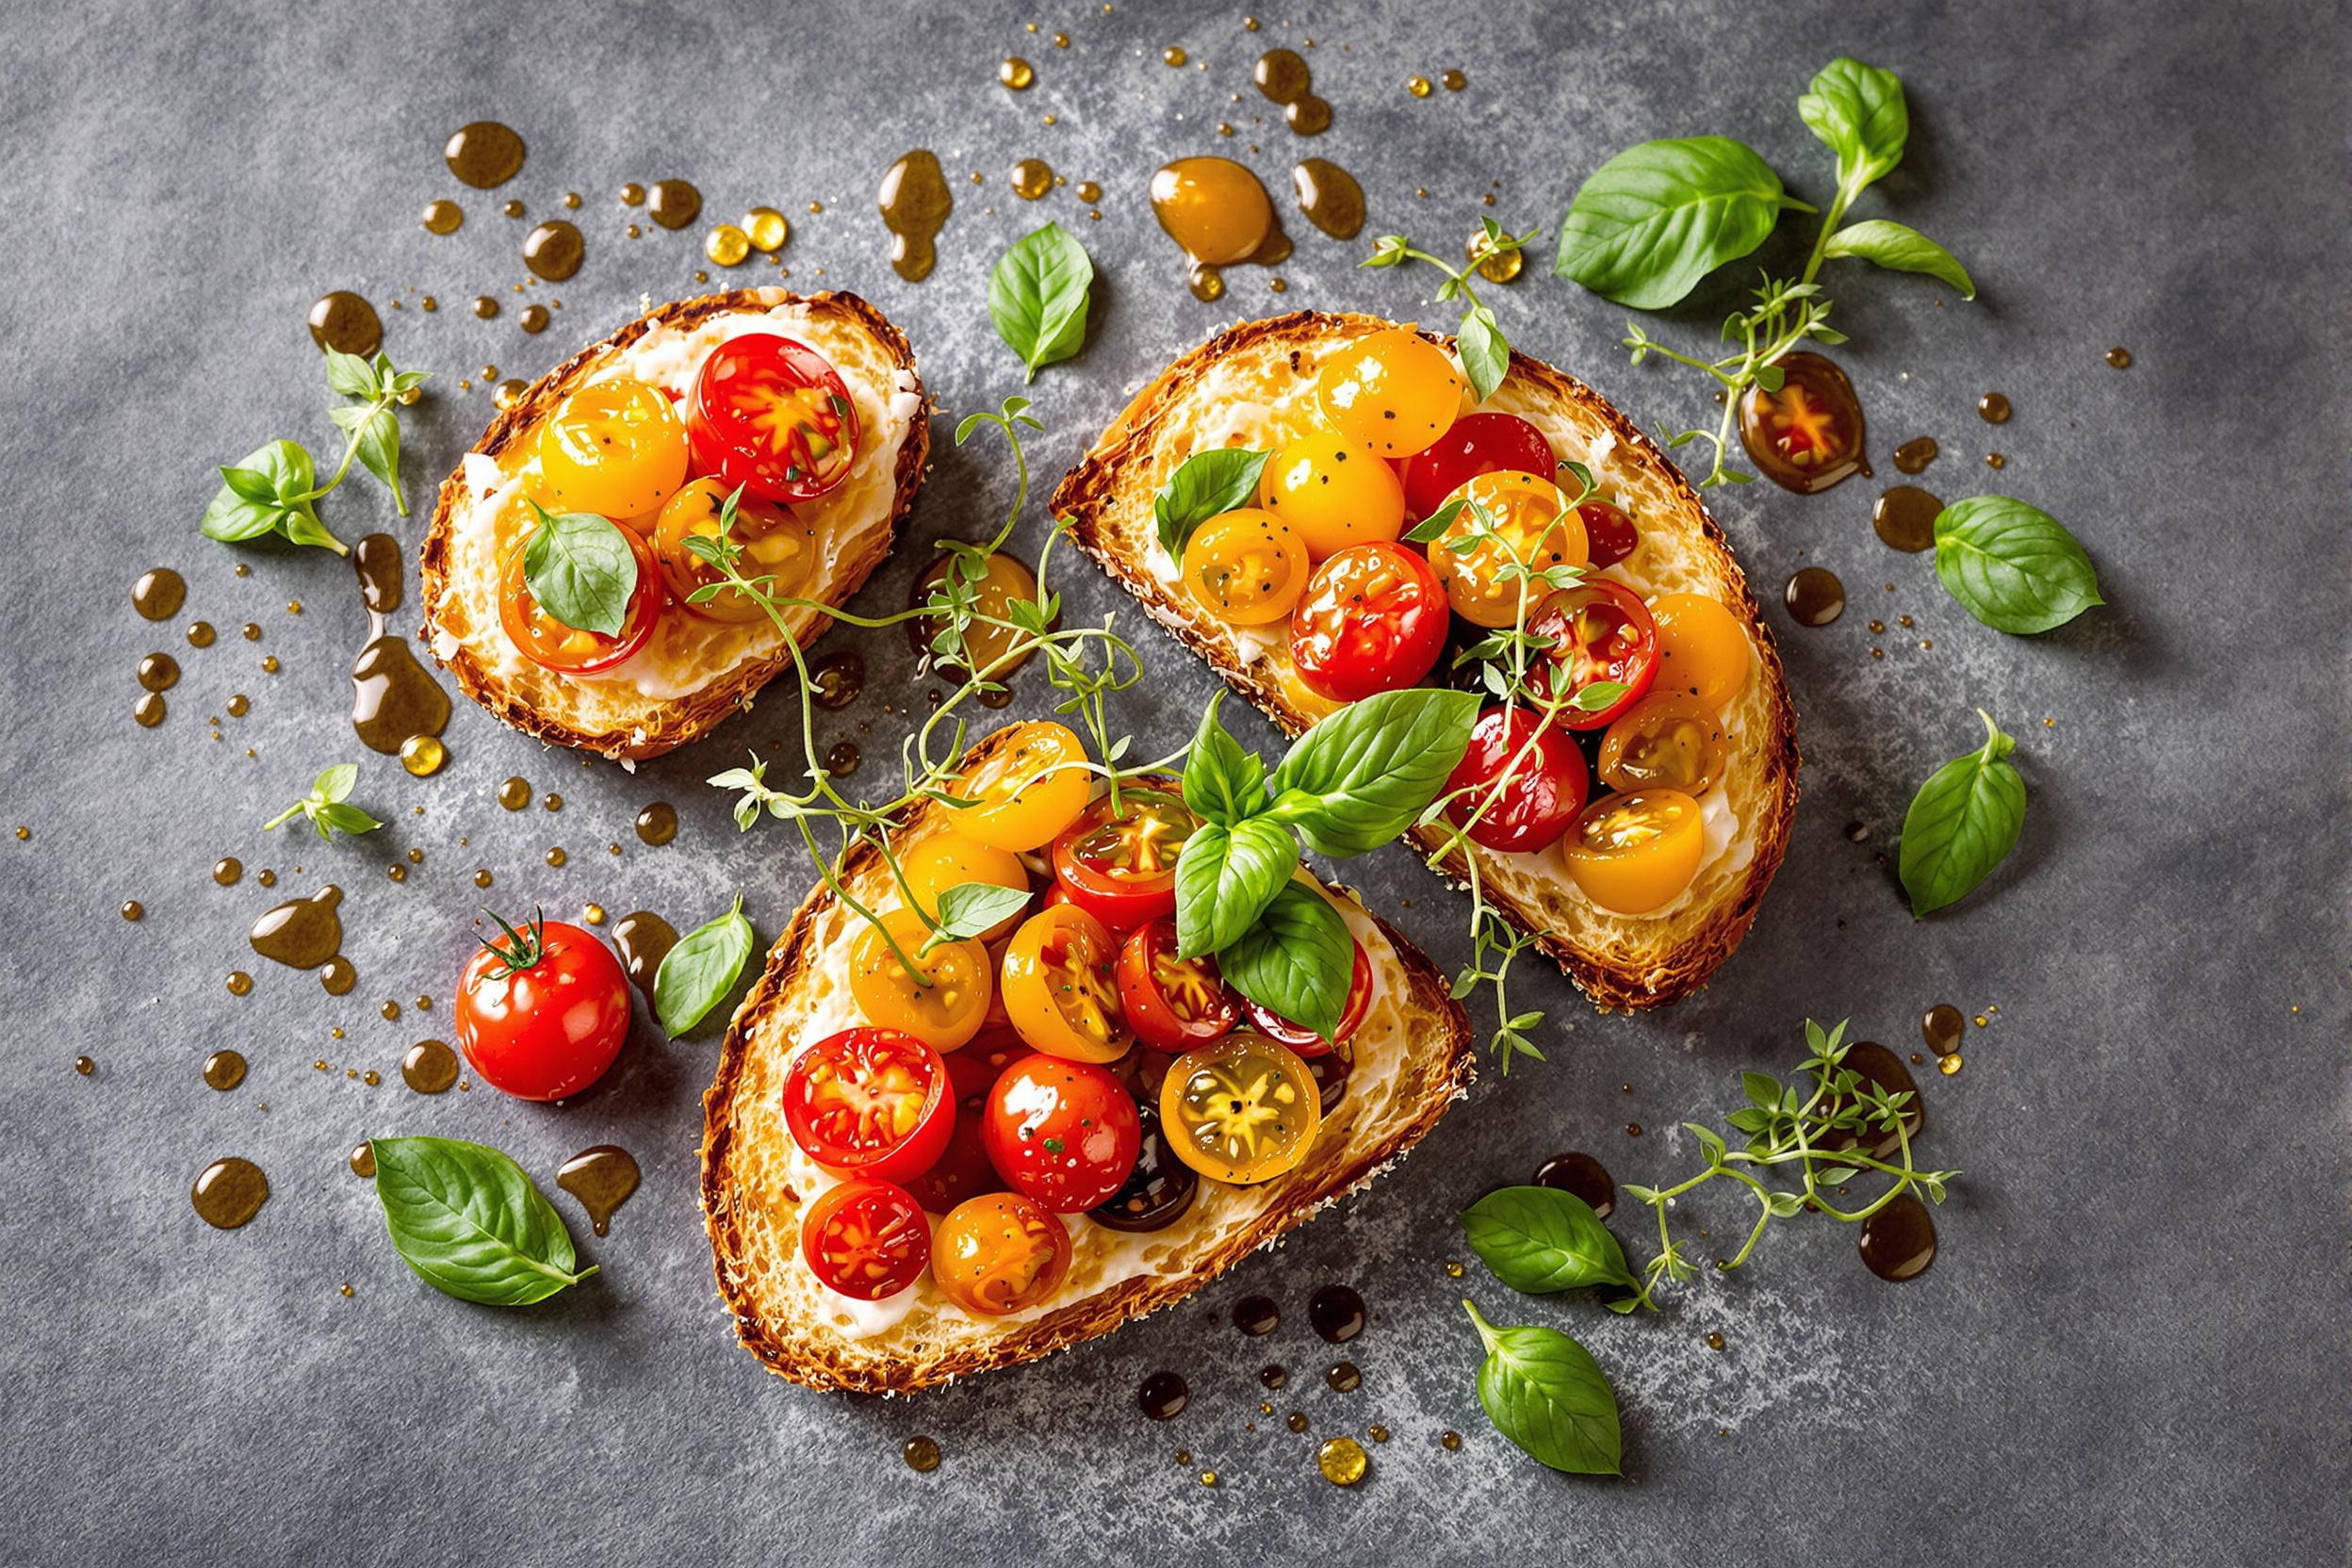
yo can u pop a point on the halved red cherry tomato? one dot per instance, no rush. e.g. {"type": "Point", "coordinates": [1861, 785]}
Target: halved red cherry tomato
{"type": "Point", "coordinates": [1600, 631]}
{"type": "Point", "coordinates": [1172, 1004]}
{"type": "Point", "coordinates": [1000, 1253]}
{"type": "Point", "coordinates": [1542, 794]}
{"type": "Point", "coordinates": [1476, 444]}
{"type": "Point", "coordinates": [1120, 868]}
{"type": "Point", "coordinates": [870, 1102]}
{"type": "Point", "coordinates": [866, 1238]}
{"type": "Point", "coordinates": [1305, 1042]}
{"type": "Point", "coordinates": [1060, 989]}
{"type": "Point", "coordinates": [550, 643]}
{"type": "Point", "coordinates": [543, 1014]}
{"type": "Point", "coordinates": [1609, 535]}
{"type": "Point", "coordinates": [1062, 1132]}
{"type": "Point", "coordinates": [1374, 618]}
{"type": "Point", "coordinates": [773, 417]}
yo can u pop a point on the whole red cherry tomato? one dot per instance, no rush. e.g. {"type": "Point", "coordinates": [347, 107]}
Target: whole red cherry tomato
{"type": "Point", "coordinates": [1373, 618]}
{"type": "Point", "coordinates": [865, 1238]}
{"type": "Point", "coordinates": [1476, 444]}
{"type": "Point", "coordinates": [542, 1013]}
{"type": "Point", "coordinates": [1304, 1041]}
{"type": "Point", "coordinates": [1062, 1132]}
{"type": "Point", "coordinates": [1544, 791]}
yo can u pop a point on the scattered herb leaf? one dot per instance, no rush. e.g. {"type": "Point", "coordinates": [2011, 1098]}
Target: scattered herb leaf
{"type": "Point", "coordinates": [328, 805]}
{"type": "Point", "coordinates": [1038, 297]}
{"type": "Point", "coordinates": [470, 1223]}
{"type": "Point", "coordinates": [2013, 566]}
{"type": "Point", "coordinates": [1649, 223]}
{"type": "Point", "coordinates": [698, 973]}
{"type": "Point", "coordinates": [1962, 823]}
{"type": "Point", "coordinates": [1544, 1392]}
{"type": "Point", "coordinates": [1541, 1240]}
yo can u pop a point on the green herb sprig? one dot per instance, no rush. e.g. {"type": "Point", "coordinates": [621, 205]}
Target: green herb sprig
{"type": "Point", "coordinates": [1485, 352]}
{"type": "Point", "coordinates": [274, 488]}
{"type": "Point", "coordinates": [328, 805]}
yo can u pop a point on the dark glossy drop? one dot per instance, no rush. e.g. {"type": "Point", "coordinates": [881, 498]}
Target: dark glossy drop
{"type": "Point", "coordinates": [515, 794]}
{"type": "Point", "coordinates": [1343, 1377]}
{"type": "Point", "coordinates": [842, 759]}
{"type": "Point", "coordinates": [224, 1069]}
{"type": "Point", "coordinates": [1877, 1065]}
{"type": "Point", "coordinates": [346, 323]}
{"type": "Point", "coordinates": [362, 1159]}
{"type": "Point", "coordinates": [158, 672]}
{"type": "Point", "coordinates": [1581, 1175]}
{"type": "Point", "coordinates": [602, 1179]}
{"type": "Point", "coordinates": [150, 709]}
{"type": "Point", "coordinates": [922, 1454]}
{"type": "Point", "coordinates": [1942, 1027]}
{"type": "Point", "coordinates": [1336, 1312]}
{"type": "Point", "coordinates": [1993, 409]}
{"type": "Point", "coordinates": [85, 1066]}
{"type": "Point", "coordinates": [554, 250]}
{"type": "Point", "coordinates": [1904, 518]}
{"type": "Point", "coordinates": [1158, 1190]}
{"type": "Point", "coordinates": [2119, 358]}
{"type": "Point", "coordinates": [483, 154]}
{"type": "Point", "coordinates": [534, 319]}
{"type": "Point", "coordinates": [914, 202]}
{"type": "Point", "coordinates": [158, 594]}
{"type": "Point", "coordinates": [1283, 76]}
{"type": "Point", "coordinates": [1899, 1241]}
{"type": "Point", "coordinates": [643, 939]}
{"type": "Point", "coordinates": [430, 1067]}
{"type": "Point", "coordinates": [672, 204]}
{"type": "Point", "coordinates": [230, 1192]}
{"type": "Point", "coordinates": [1807, 436]}
{"type": "Point", "coordinates": [1164, 1395]}
{"type": "Point", "coordinates": [376, 562]}
{"type": "Point", "coordinates": [392, 696]}
{"type": "Point", "coordinates": [302, 932]}
{"type": "Point", "coordinates": [657, 825]}
{"type": "Point", "coordinates": [1330, 1071]}
{"type": "Point", "coordinates": [1307, 116]}
{"type": "Point", "coordinates": [1273, 1376]}
{"type": "Point", "coordinates": [1296, 1421]}
{"type": "Point", "coordinates": [1257, 1316]}
{"type": "Point", "coordinates": [1914, 455]}
{"type": "Point", "coordinates": [1329, 197]}
{"type": "Point", "coordinates": [835, 680]}
{"type": "Point", "coordinates": [201, 635]}
{"type": "Point", "coordinates": [1814, 596]}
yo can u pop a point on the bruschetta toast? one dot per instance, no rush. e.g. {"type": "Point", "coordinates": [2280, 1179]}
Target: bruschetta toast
{"type": "Point", "coordinates": [651, 428]}
{"type": "Point", "coordinates": [1255, 387]}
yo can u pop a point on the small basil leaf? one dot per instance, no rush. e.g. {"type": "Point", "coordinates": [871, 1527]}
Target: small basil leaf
{"type": "Point", "coordinates": [1226, 877]}
{"type": "Point", "coordinates": [230, 518]}
{"type": "Point", "coordinates": [1858, 112]}
{"type": "Point", "coordinates": [1901, 250]}
{"type": "Point", "coordinates": [343, 819]}
{"type": "Point", "coordinates": [1962, 823]}
{"type": "Point", "coordinates": [1432, 528]}
{"type": "Point", "coordinates": [1038, 297]}
{"type": "Point", "coordinates": [336, 782]}
{"type": "Point", "coordinates": [379, 453]}
{"type": "Point", "coordinates": [1655, 218]}
{"type": "Point", "coordinates": [2013, 566]}
{"type": "Point", "coordinates": [969, 908]}
{"type": "Point", "coordinates": [1361, 776]}
{"type": "Point", "coordinates": [1485, 356]}
{"type": "Point", "coordinates": [1541, 1240]}
{"type": "Point", "coordinates": [268, 492]}
{"type": "Point", "coordinates": [580, 570]}
{"type": "Point", "coordinates": [1222, 782]}
{"type": "Point", "coordinates": [1203, 485]}
{"type": "Point", "coordinates": [249, 484]}
{"type": "Point", "coordinates": [1297, 960]}
{"type": "Point", "coordinates": [351, 374]}
{"type": "Point", "coordinates": [699, 972]}
{"type": "Point", "coordinates": [470, 1223]}
{"type": "Point", "coordinates": [1544, 1391]}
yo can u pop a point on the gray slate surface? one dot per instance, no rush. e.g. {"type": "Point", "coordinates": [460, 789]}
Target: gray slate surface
{"type": "Point", "coordinates": [2133, 1348]}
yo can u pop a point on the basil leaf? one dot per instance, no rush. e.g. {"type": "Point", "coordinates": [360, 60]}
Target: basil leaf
{"type": "Point", "coordinates": [969, 908]}
{"type": "Point", "coordinates": [1225, 879]}
{"type": "Point", "coordinates": [1222, 782]}
{"type": "Point", "coordinates": [269, 493]}
{"type": "Point", "coordinates": [1203, 485]}
{"type": "Point", "coordinates": [1432, 528]}
{"type": "Point", "coordinates": [351, 374]}
{"type": "Point", "coordinates": [1038, 297]}
{"type": "Point", "coordinates": [380, 452]}
{"type": "Point", "coordinates": [337, 818]}
{"type": "Point", "coordinates": [698, 973]}
{"type": "Point", "coordinates": [580, 570]}
{"type": "Point", "coordinates": [336, 782]}
{"type": "Point", "coordinates": [1901, 250]}
{"type": "Point", "coordinates": [470, 1223]}
{"type": "Point", "coordinates": [1544, 1392]}
{"type": "Point", "coordinates": [1858, 112]}
{"type": "Point", "coordinates": [1541, 1240]}
{"type": "Point", "coordinates": [249, 484]}
{"type": "Point", "coordinates": [1485, 356]}
{"type": "Point", "coordinates": [1655, 218]}
{"type": "Point", "coordinates": [2013, 566]}
{"type": "Point", "coordinates": [1962, 823]}
{"type": "Point", "coordinates": [1361, 777]}
{"type": "Point", "coordinates": [1298, 959]}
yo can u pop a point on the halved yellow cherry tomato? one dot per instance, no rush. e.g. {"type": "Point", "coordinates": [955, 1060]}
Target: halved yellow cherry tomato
{"type": "Point", "coordinates": [1247, 566]}
{"type": "Point", "coordinates": [949, 859]}
{"type": "Point", "coordinates": [615, 447]}
{"type": "Point", "coordinates": [1003, 581]}
{"type": "Point", "coordinates": [1631, 853]}
{"type": "Point", "coordinates": [1392, 393]}
{"type": "Point", "coordinates": [1334, 492]}
{"type": "Point", "coordinates": [776, 545]}
{"type": "Point", "coordinates": [1032, 785]}
{"type": "Point", "coordinates": [1667, 741]}
{"type": "Point", "coordinates": [943, 1010]}
{"type": "Point", "coordinates": [1061, 986]}
{"type": "Point", "coordinates": [1243, 1109]}
{"type": "Point", "coordinates": [1701, 648]}
{"type": "Point", "coordinates": [1531, 521]}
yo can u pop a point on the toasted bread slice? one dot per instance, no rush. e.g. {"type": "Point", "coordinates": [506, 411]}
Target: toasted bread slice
{"type": "Point", "coordinates": [1411, 1059]}
{"type": "Point", "coordinates": [1253, 386]}
{"type": "Point", "coordinates": [695, 672]}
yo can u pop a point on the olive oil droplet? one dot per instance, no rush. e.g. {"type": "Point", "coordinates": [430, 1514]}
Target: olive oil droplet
{"type": "Point", "coordinates": [228, 1193]}
{"type": "Point", "coordinates": [346, 323]}
{"type": "Point", "coordinates": [483, 154]}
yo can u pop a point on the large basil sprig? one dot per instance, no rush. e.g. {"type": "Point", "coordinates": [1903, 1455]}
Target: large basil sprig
{"type": "Point", "coordinates": [1361, 776]}
{"type": "Point", "coordinates": [1649, 223]}
{"type": "Point", "coordinates": [1544, 1392]}
{"type": "Point", "coordinates": [2013, 566]}
{"type": "Point", "coordinates": [1038, 293]}
{"type": "Point", "coordinates": [580, 570]}
{"type": "Point", "coordinates": [698, 973]}
{"type": "Point", "coordinates": [470, 1223]}
{"type": "Point", "coordinates": [1962, 823]}
{"type": "Point", "coordinates": [1540, 1239]}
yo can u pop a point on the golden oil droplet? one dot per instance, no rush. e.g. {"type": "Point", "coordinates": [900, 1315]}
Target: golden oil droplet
{"type": "Point", "coordinates": [485, 307]}
{"type": "Point", "coordinates": [592, 914]}
{"type": "Point", "coordinates": [768, 229]}
{"type": "Point", "coordinates": [224, 1069]}
{"type": "Point", "coordinates": [1715, 1342]}
{"type": "Point", "coordinates": [2119, 358]}
{"type": "Point", "coordinates": [555, 856]}
{"type": "Point", "coordinates": [371, 1078]}
{"type": "Point", "coordinates": [515, 794]}
{"type": "Point", "coordinates": [1208, 1478]}
{"type": "Point", "coordinates": [727, 245]}
{"type": "Point", "coordinates": [1173, 56]}
{"type": "Point", "coordinates": [268, 879]}
{"type": "Point", "coordinates": [1341, 1460]}
{"type": "Point", "coordinates": [1501, 266]}
{"type": "Point", "coordinates": [1089, 192]}
{"type": "Point", "coordinates": [920, 1453]}
{"type": "Point", "coordinates": [347, 323]}
{"type": "Point", "coordinates": [1061, 41]}
{"type": "Point", "coordinates": [251, 631]}
{"type": "Point", "coordinates": [199, 634]}
{"type": "Point", "coordinates": [239, 982]}
{"type": "Point", "coordinates": [632, 195]}
{"type": "Point", "coordinates": [1031, 178]}
{"type": "Point", "coordinates": [1455, 81]}
{"type": "Point", "coordinates": [483, 877]}
{"type": "Point", "coordinates": [389, 1011]}
{"type": "Point", "coordinates": [1376, 1432]}
{"type": "Point", "coordinates": [149, 710]}
{"type": "Point", "coordinates": [535, 318]}
{"type": "Point", "coordinates": [508, 394]}
{"type": "Point", "coordinates": [513, 209]}
{"type": "Point", "coordinates": [1450, 1442]}
{"type": "Point", "coordinates": [23, 832]}
{"type": "Point", "coordinates": [1016, 74]}
{"type": "Point", "coordinates": [554, 801]}
{"type": "Point", "coordinates": [443, 217]}
{"type": "Point", "coordinates": [1995, 459]}
{"type": "Point", "coordinates": [1052, 119]}
{"type": "Point", "coordinates": [422, 755]}
{"type": "Point", "coordinates": [1948, 1065]}
{"type": "Point", "coordinates": [133, 909]}
{"type": "Point", "coordinates": [1417, 86]}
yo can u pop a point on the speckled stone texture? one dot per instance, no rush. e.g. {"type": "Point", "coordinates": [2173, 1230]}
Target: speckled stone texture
{"type": "Point", "coordinates": [2132, 1347]}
